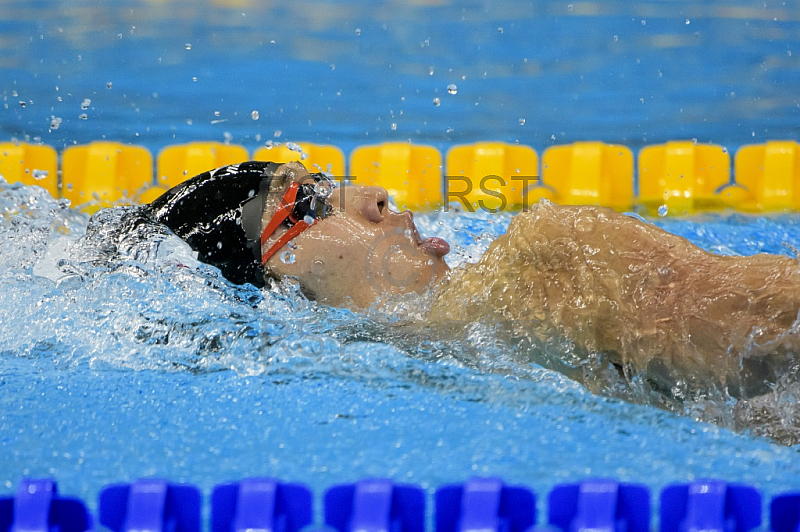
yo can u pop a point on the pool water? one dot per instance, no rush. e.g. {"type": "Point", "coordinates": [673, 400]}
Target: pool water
{"type": "Point", "coordinates": [123, 357]}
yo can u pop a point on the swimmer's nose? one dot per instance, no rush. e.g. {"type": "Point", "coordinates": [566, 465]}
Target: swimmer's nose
{"type": "Point", "coordinates": [374, 203]}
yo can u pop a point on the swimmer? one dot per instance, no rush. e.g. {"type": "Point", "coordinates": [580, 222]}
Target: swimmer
{"type": "Point", "coordinates": [649, 301]}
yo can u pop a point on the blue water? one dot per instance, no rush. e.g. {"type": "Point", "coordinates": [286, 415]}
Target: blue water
{"type": "Point", "coordinates": [116, 364]}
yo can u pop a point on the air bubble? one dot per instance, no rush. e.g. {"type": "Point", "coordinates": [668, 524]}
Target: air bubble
{"type": "Point", "coordinates": [287, 257]}
{"type": "Point", "coordinates": [308, 219]}
{"type": "Point", "coordinates": [21, 104]}
{"type": "Point", "coordinates": [500, 30]}
{"type": "Point", "coordinates": [688, 21]}
{"type": "Point", "coordinates": [452, 89]}
{"type": "Point", "coordinates": [358, 31]}
{"type": "Point", "coordinates": [569, 7]}
{"type": "Point", "coordinates": [254, 115]}
{"type": "Point", "coordinates": [55, 122]}
{"type": "Point", "coordinates": [188, 46]}
{"type": "Point", "coordinates": [108, 84]}
{"type": "Point", "coordinates": [522, 121]}
{"type": "Point", "coordinates": [394, 126]}
{"type": "Point", "coordinates": [663, 210]}
{"type": "Point", "coordinates": [83, 116]}
{"type": "Point", "coordinates": [86, 103]}
{"type": "Point", "coordinates": [430, 71]}
{"type": "Point", "coordinates": [219, 244]}
{"type": "Point", "coordinates": [40, 174]}
{"type": "Point", "coordinates": [437, 102]}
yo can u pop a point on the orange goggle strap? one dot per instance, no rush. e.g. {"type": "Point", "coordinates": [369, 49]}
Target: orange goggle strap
{"type": "Point", "coordinates": [281, 213]}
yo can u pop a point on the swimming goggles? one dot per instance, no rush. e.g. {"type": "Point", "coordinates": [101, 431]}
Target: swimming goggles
{"type": "Point", "coordinates": [303, 204]}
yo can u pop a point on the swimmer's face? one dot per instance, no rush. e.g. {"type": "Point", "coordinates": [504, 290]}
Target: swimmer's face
{"type": "Point", "coordinates": [363, 250]}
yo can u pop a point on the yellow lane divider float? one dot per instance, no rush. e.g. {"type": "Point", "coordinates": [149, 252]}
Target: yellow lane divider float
{"type": "Point", "coordinates": [588, 173]}
{"type": "Point", "coordinates": [102, 174]}
{"type": "Point", "coordinates": [491, 175]}
{"type": "Point", "coordinates": [30, 164]}
{"type": "Point", "coordinates": [678, 177]}
{"type": "Point", "coordinates": [412, 174]}
{"type": "Point", "coordinates": [770, 176]}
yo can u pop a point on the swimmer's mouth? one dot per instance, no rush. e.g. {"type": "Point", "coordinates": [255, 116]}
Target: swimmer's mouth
{"type": "Point", "coordinates": [434, 245]}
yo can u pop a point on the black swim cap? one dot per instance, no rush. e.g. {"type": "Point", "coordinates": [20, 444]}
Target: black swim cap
{"type": "Point", "coordinates": [206, 212]}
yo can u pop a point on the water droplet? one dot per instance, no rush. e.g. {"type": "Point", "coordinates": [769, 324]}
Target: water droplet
{"type": "Point", "coordinates": [291, 244]}
{"type": "Point", "coordinates": [358, 31]}
{"type": "Point", "coordinates": [452, 88]}
{"type": "Point", "coordinates": [663, 210]}
{"type": "Point", "coordinates": [437, 102]}
{"type": "Point", "coordinates": [308, 219]}
{"type": "Point", "coordinates": [287, 257]}
{"type": "Point", "coordinates": [83, 116]}
{"type": "Point", "coordinates": [108, 84]}
{"type": "Point", "coordinates": [40, 174]}
{"type": "Point", "coordinates": [188, 46]}
{"type": "Point", "coordinates": [294, 147]}
{"type": "Point", "coordinates": [522, 121]}
{"type": "Point", "coordinates": [254, 115]}
{"type": "Point", "coordinates": [86, 103]}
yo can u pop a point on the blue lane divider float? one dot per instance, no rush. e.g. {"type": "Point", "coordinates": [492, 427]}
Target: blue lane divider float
{"type": "Point", "coordinates": [486, 505]}
{"type": "Point", "coordinates": [710, 506]}
{"type": "Point", "coordinates": [150, 506]}
{"type": "Point", "coordinates": [262, 504]}
{"type": "Point", "coordinates": [375, 505]}
{"type": "Point", "coordinates": [784, 512]}
{"type": "Point", "coordinates": [37, 507]}
{"type": "Point", "coordinates": [599, 505]}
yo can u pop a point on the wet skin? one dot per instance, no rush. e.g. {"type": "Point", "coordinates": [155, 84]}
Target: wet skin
{"type": "Point", "coordinates": [360, 252]}
{"type": "Point", "coordinates": [609, 282]}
